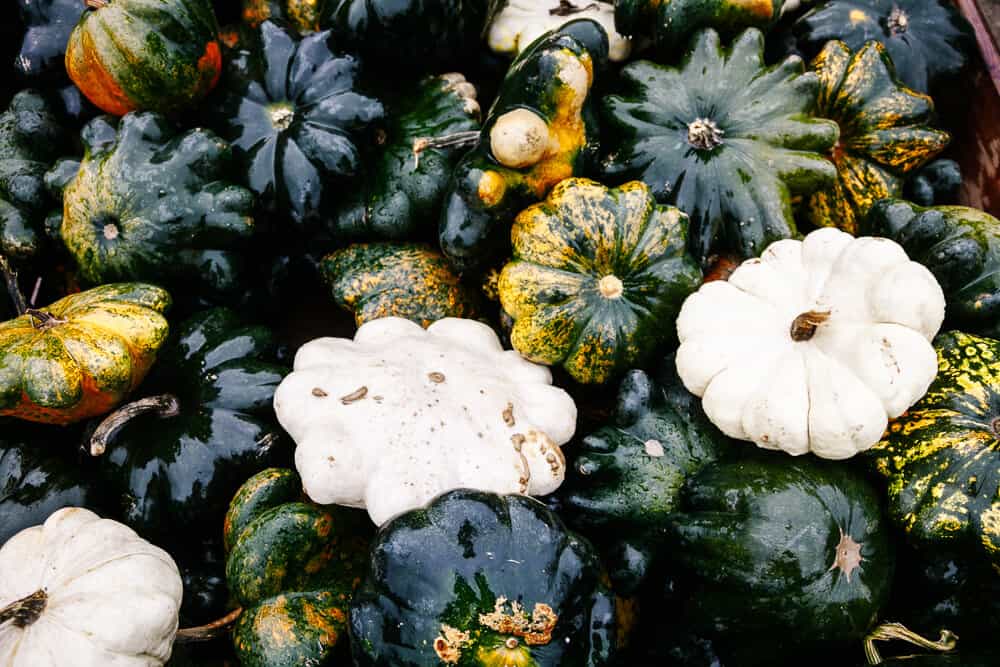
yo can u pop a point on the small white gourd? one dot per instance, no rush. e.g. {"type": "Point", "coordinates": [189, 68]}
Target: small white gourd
{"type": "Point", "coordinates": [521, 22]}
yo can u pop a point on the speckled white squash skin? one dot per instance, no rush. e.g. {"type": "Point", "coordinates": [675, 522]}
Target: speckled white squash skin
{"type": "Point", "coordinates": [113, 598]}
{"type": "Point", "coordinates": [833, 393]}
{"type": "Point", "coordinates": [400, 414]}
{"type": "Point", "coordinates": [521, 22]}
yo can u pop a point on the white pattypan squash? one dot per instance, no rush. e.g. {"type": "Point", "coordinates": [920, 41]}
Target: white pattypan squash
{"type": "Point", "coordinates": [82, 591]}
{"type": "Point", "coordinates": [521, 22]}
{"type": "Point", "coordinates": [813, 346]}
{"type": "Point", "coordinates": [400, 414]}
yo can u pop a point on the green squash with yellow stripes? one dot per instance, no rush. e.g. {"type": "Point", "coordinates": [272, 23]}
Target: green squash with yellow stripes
{"type": "Point", "coordinates": [671, 23]}
{"type": "Point", "coordinates": [885, 132]}
{"type": "Point", "coordinates": [941, 459]}
{"type": "Point", "coordinates": [407, 280]}
{"type": "Point", "coordinates": [597, 278]}
{"type": "Point", "coordinates": [292, 567]}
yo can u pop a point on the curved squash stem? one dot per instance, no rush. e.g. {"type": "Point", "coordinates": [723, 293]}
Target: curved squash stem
{"type": "Point", "coordinates": [96, 4]}
{"type": "Point", "coordinates": [10, 277]}
{"type": "Point", "coordinates": [898, 631]}
{"type": "Point", "coordinates": [25, 611]}
{"type": "Point", "coordinates": [457, 140]}
{"type": "Point", "coordinates": [204, 633]}
{"type": "Point", "coordinates": [164, 405]}
{"type": "Point", "coordinates": [567, 8]}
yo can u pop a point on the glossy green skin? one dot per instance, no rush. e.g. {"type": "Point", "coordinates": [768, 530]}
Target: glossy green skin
{"type": "Point", "coordinates": [738, 195]}
{"type": "Point", "coordinates": [428, 33]}
{"type": "Point", "coordinates": [940, 458]}
{"type": "Point", "coordinates": [400, 191]}
{"type": "Point", "coordinates": [30, 136]}
{"type": "Point", "coordinates": [176, 218]}
{"type": "Point", "coordinates": [961, 247]}
{"type": "Point", "coordinates": [39, 474]}
{"type": "Point", "coordinates": [934, 46]}
{"type": "Point", "coordinates": [473, 232]}
{"type": "Point", "coordinates": [173, 477]}
{"type": "Point", "coordinates": [292, 567]}
{"type": "Point", "coordinates": [756, 538]}
{"type": "Point", "coordinates": [619, 492]}
{"type": "Point", "coordinates": [936, 184]}
{"type": "Point", "coordinates": [406, 280]}
{"type": "Point", "coordinates": [297, 163]}
{"type": "Point", "coordinates": [48, 24]}
{"type": "Point", "coordinates": [447, 563]}
{"type": "Point", "coordinates": [671, 22]}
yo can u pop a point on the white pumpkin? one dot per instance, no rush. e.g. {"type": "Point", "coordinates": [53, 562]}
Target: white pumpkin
{"type": "Point", "coordinates": [84, 591]}
{"type": "Point", "coordinates": [521, 22]}
{"type": "Point", "coordinates": [400, 414]}
{"type": "Point", "coordinates": [813, 346]}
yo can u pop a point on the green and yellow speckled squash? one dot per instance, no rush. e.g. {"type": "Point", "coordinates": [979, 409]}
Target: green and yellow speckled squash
{"type": "Point", "coordinates": [539, 131]}
{"type": "Point", "coordinates": [397, 280]}
{"type": "Point", "coordinates": [82, 355]}
{"type": "Point", "coordinates": [155, 55]}
{"type": "Point", "coordinates": [597, 278]}
{"type": "Point", "coordinates": [941, 458]}
{"type": "Point", "coordinates": [884, 132]}
{"type": "Point", "coordinates": [671, 23]}
{"type": "Point", "coordinates": [292, 567]}
{"type": "Point", "coordinates": [304, 15]}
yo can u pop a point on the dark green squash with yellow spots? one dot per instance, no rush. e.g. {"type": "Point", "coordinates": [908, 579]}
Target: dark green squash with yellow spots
{"type": "Point", "coordinates": [627, 476]}
{"type": "Point", "coordinates": [149, 202]}
{"type": "Point", "coordinates": [928, 40]}
{"type": "Point", "coordinates": [539, 131]}
{"type": "Point", "coordinates": [397, 280]}
{"type": "Point", "coordinates": [940, 459]}
{"type": "Point", "coordinates": [292, 567]}
{"type": "Point", "coordinates": [597, 278]}
{"type": "Point", "coordinates": [672, 22]}
{"type": "Point", "coordinates": [961, 247]}
{"type": "Point", "coordinates": [82, 355]}
{"type": "Point", "coordinates": [723, 137]}
{"type": "Point", "coordinates": [304, 15]}
{"type": "Point", "coordinates": [138, 55]}
{"type": "Point", "coordinates": [482, 580]}
{"type": "Point", "coordinates": [884, 133]}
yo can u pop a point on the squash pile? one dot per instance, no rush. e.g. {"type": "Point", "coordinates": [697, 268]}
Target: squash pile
{"type": "Point", "coordinates": [495, 333]}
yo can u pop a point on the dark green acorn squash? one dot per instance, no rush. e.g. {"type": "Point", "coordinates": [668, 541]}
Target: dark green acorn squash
{"type": "Point", "coordinates": [941, 458]}
{"type": "Point", "coordinates": [961, 247]}
{"type": "Point", "coordinates": [407, 35]}
{"type": "Point", "coordinates": [48, 24]}
{"type": "Point", "coordinates": [477, 579]}
{"type": "Point", "coordinates": [31, 137]}
{"type": "Point", "coordinates": [936, 184]}
{"type": "Point", "coordinates": [297, 122]}
{"type": "Point", "coordinates": [397, 280]}
{"type": "Point", "coordinates": [627, 476]}
{"type": "Point", "coordinates": [597, 278]}
{"type": "Point", "coordinates": [928, 40]}
{"type": "Point", "coordinates": [884, 133]}
{"type": "Point", "coordinates": [539, 131]}
{"type": "Point", "coordinates": [671, 22]}
{"type": "Point", "coordinates": [150, 202]}
{"type": "Point", "coordinates": [137, 55]}
{"type": "Point", "coordinates": [292, 567]}
{"type": "Point", "coordinates": [204, 424]}
{"type": "Point", "coordinates": [403, 187]}
{"type": "Point", "coordinates": [790, 551]}
{"type": "Point", "coordinates": [724, 138]}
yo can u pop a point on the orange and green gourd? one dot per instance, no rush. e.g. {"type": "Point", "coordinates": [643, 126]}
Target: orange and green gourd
{"type": "Point", "coordinates": [82, 355]}
{"type": "Point", "coordinates": [539, 131]}
{"type": "Point", "coordinates": [397, 280]}
{"type": "Point", "coordinates": [150, 55]}
{"type": "Point", "coordinates": [884, 133]}
{"type": "Point", "coordinates": [304, 16]}
{"type": "Point", "coordinates": [597, 278]}
{"type": "Point", "coordinates": [941, 459]}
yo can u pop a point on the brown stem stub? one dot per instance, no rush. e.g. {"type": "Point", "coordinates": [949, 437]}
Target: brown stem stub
{"type": "Point", "coordinates": [804, 326]}
{"type": "Point", "coordinates": [567, 8]}
{"type": "Point", "coordinates": [456, 140]}
{"type": "Point", "coordinates": [97, 4]}
{"type": "Point", "coordinates": [10, 277]}
{"type": "Point", "coordinates": [354, 396]}
{"type": "Point", "coordinates": [164, 405]}
{"type": "Point", "coordinates": [22, 613]}
{"type": "Point", "coordinates": [899, 632]}
{"type": "Point", "coordinates": [42, 320]}
{"type": "Point", "coordinates": [203, 633]}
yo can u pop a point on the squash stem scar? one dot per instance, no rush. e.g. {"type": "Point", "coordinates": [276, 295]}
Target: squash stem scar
{"type": "Point", "coordinates": [163, 406]}
{"type": "Point", "coordinates": [805, 325]}
{"type": "Point", "coordinates": [897, 631]}
{"type": "Point", "coordinates": [208, 631]}
{"type": "Point", "coordinates": [567, 8]}
{"type": "Point", "coordinates": [42, 320]}
{"type": "Point", "coordinates": [10, 277]}
{"type": "Point", "coordinates": [22, 613]}
{"type": "Point", "coordinates": [898, 22]}
{"type": "Point", "coordinates": [704, 134]}
{"type": "Point", "coordinates": [455, 140]}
